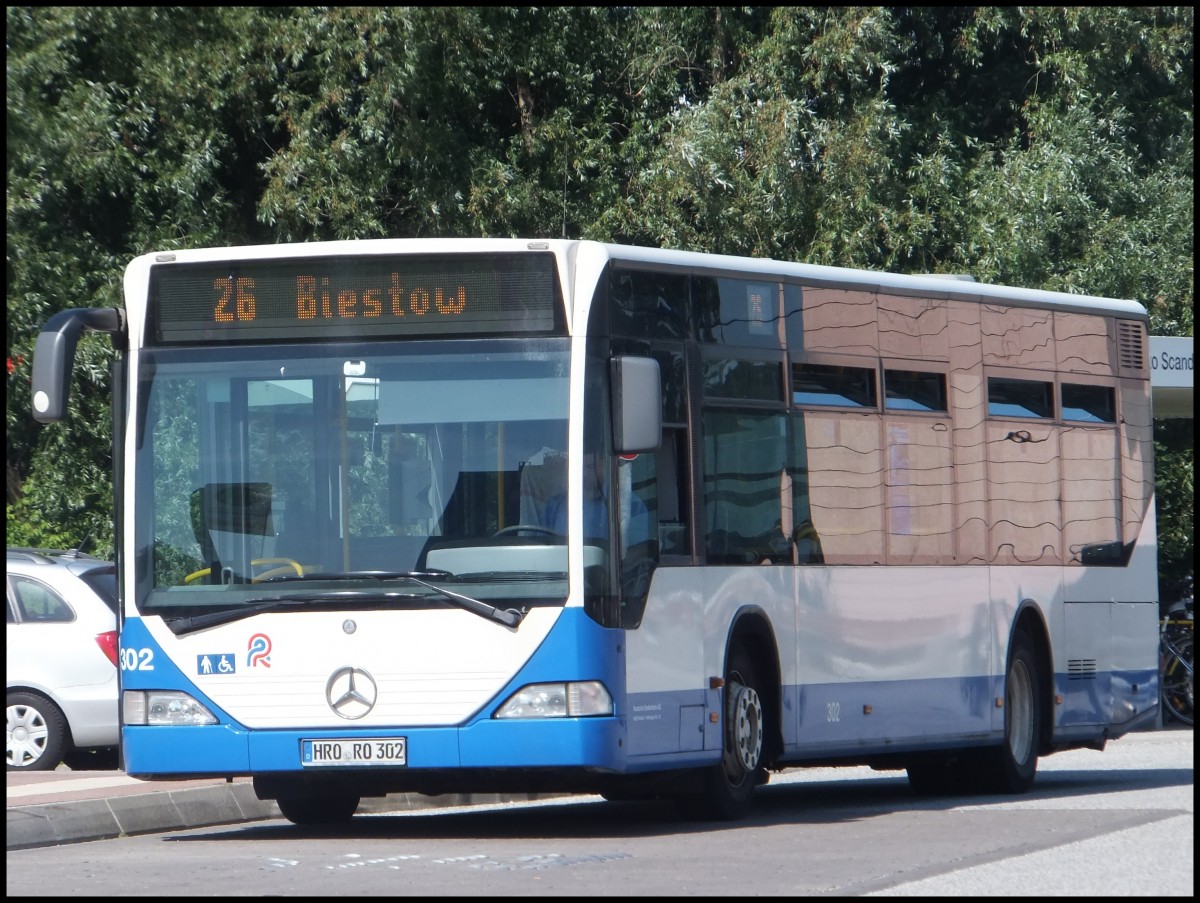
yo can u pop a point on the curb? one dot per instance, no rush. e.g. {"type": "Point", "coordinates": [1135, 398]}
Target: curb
{"type": "Point", "coordinates": [49, 824]}
{"type": "Point", "coordinates": [52, 824]}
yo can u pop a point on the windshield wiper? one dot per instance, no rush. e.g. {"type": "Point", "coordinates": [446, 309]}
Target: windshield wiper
{"type": "Point", "coordinates": [316, 576]}
{"type": "Point", "coordinates": [255, 606]}
{"type": "Point", "coordinates": [510, 617]}
{"type": "Point", "coordinates": [180, 626]}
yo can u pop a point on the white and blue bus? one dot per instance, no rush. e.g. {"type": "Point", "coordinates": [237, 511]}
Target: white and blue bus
{"type": "Point", "coordinates": [493, 515]}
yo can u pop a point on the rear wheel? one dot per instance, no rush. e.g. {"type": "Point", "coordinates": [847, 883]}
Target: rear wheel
{"type": "Point", "coordinates": [36, 733]}
{"type": "Point", "coordinates": [1009, 767]}
{"type": "Point", "coordinates": [728, 786]}
{"type": "Point", "coordinates": [1012, 766]}
{"type": "Point", "coordinates": [319, 809]}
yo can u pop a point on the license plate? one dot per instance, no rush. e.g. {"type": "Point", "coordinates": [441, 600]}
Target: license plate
{"type": "Point", "coordinates": [367, 751]}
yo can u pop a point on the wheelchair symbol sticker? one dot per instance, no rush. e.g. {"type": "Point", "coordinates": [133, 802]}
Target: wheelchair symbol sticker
{"type": "Point", "coordinates": [217, 663]}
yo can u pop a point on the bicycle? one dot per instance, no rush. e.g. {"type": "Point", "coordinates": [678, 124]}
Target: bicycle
{"type": "Point", "coordinates": [1176, 631]}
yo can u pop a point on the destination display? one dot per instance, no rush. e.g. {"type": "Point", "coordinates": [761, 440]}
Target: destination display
{"type": "Point", "coordinates": [352, 297]}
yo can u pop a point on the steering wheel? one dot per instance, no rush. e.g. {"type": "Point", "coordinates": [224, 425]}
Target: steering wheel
{"type": "Point", "coordinates": [284, 566]}
{"type": "Point", "coordinates": [517, 529]}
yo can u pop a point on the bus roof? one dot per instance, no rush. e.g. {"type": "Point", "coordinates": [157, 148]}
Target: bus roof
{"type": "Point", "coordinates": [961, 287]}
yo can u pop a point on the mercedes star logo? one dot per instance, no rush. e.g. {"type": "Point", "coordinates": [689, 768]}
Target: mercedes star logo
{"type": "Point", "coordinates": [351, 692]}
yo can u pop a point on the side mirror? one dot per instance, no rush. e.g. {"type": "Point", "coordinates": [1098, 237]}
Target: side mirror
{"type": "Point", "coordinates": [637, 404]}
{"type": "Point", "coordinates": [54, 356]}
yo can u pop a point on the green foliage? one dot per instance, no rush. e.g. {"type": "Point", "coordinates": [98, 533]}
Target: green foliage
{"type": "Point", "coordinates": [1174, 461]}
{"type": "Point", "coordinates": [1041, 146]}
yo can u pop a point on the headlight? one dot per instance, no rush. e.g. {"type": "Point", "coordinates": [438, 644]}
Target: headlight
{"type": "Point", "coordinates": [561, 700]}
{"type": "Point", "coordinates": [163, 707]}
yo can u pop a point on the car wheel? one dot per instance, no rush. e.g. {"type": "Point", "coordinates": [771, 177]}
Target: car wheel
{"type": "Point", "coordinates": [36, 733]}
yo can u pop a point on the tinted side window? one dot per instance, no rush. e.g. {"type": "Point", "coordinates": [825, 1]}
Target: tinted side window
{"type": "Point", "coordinates": [745, 458]}
{"type": "Point", "coordinates": [755, 380]}
{"type": "Point", "coordinates": [1019, 398]}
{"type": "Point", "coordinates": [38, 603]}
{"type": "Point", "coordinates": [744, 312]}
{"type": "Point", "coordinates": [648, 305]}
{"type": "Point", "coordinates": [1094, 404]}
{"type": "Point", "coordinates": [833, 385]}
{"type": "Point", "coordinates": [914, 390]}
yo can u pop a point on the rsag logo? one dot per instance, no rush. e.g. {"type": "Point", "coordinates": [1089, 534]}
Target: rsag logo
{"type": "Point", "coordinates": [260, 651]}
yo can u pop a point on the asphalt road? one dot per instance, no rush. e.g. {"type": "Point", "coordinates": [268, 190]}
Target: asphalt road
{"type": "Point", "coordinates": [1117, 823]}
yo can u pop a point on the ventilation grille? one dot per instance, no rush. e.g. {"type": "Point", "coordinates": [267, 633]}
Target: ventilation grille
{"type": "Point", "coordinates": [1081, 669]}
{"type": "Point", "coordinates": [1131, 346]}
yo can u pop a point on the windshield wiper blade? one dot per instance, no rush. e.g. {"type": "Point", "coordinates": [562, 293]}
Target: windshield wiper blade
{"type": "Point", "coordinates": [251, 607]}
{"type": "Point", "coordinates": [510, 617]}
{"type": "Point", "coordinates": [180, 626]}
{"type": "Point", "coordinates": [316, 576]}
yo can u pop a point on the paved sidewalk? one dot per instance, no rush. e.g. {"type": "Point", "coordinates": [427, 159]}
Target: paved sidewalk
{"type": "Point", "coordinates": [46, 808]}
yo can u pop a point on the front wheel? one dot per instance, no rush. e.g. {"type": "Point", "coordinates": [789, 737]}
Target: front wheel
{"type": "Point", "coordinates": [728, 786]}
{"type": "Point", "coordinates": [319, 809]}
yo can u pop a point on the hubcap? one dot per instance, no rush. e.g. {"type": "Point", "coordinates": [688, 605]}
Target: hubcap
{"type": "Point", "coordinates": [27, 735]}
{"type": "Point", "coordinates": [1020, 712]}
{"type": "Point", "coordinates": [745, 734]}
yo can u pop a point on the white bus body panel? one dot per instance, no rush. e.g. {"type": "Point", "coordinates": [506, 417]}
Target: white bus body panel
{"type": "Point", "coordinates": [420, 683]}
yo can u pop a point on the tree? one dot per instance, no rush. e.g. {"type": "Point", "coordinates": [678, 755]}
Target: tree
{"type": "Point", "coordinates": [1040, 146]}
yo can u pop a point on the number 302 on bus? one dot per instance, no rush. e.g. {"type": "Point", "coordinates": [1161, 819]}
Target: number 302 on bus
{"type": "Point", "coordinates": [367, 751]}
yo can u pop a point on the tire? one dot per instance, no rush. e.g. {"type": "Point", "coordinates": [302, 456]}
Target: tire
{"type": "Point", "coordinates": [1177, 682]}
{"type": "Point", "coordinates": [37, 735]}
{"type": "Point", "coordinates": [727, 789]}
{"type": "Point", "coordinates": [322, 809]}
{"type": "Point", "coordinates": [1012, 766]}
{"type": "Point", "coordinates": [1008, 768]}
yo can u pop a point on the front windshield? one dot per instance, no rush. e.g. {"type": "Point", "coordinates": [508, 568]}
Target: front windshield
{"type": "Point", "coordinates": [269, 472]}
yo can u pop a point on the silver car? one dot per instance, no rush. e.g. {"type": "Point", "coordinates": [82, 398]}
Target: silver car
{"type": "Point", "coordinates": [61, 658]}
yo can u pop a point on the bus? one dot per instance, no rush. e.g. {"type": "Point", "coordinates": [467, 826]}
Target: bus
{"type": "Point", "coordinates": [558, 516]}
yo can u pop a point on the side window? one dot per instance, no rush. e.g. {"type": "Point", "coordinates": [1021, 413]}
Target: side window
{"type": "Point", "coordinates": [649, 305]}
{"type": "Point", "coordinates": [742, 312]}
{"type": "Point", "coordinates": [672, 497]}
{"type": "Point", "coordinates": [805, 535]}
{"type": "Point", "coordinates": [833, 385]}
{"type": "Point", "coordinates": [914, 390]}
{"type": "Point", "coordinates": [729, 377]}
{"type": "Point", "coordinates": [38, 603]}
{"type": "Point", "coordinates": [745, 475]}
{"type": "Point", "coordinates": [1020, 398]}
{"type": "Point", "coordinates": [1093, 404]}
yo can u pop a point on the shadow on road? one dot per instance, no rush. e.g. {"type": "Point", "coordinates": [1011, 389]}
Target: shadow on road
{"type": "Point", "coordinates": [798, 803]}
